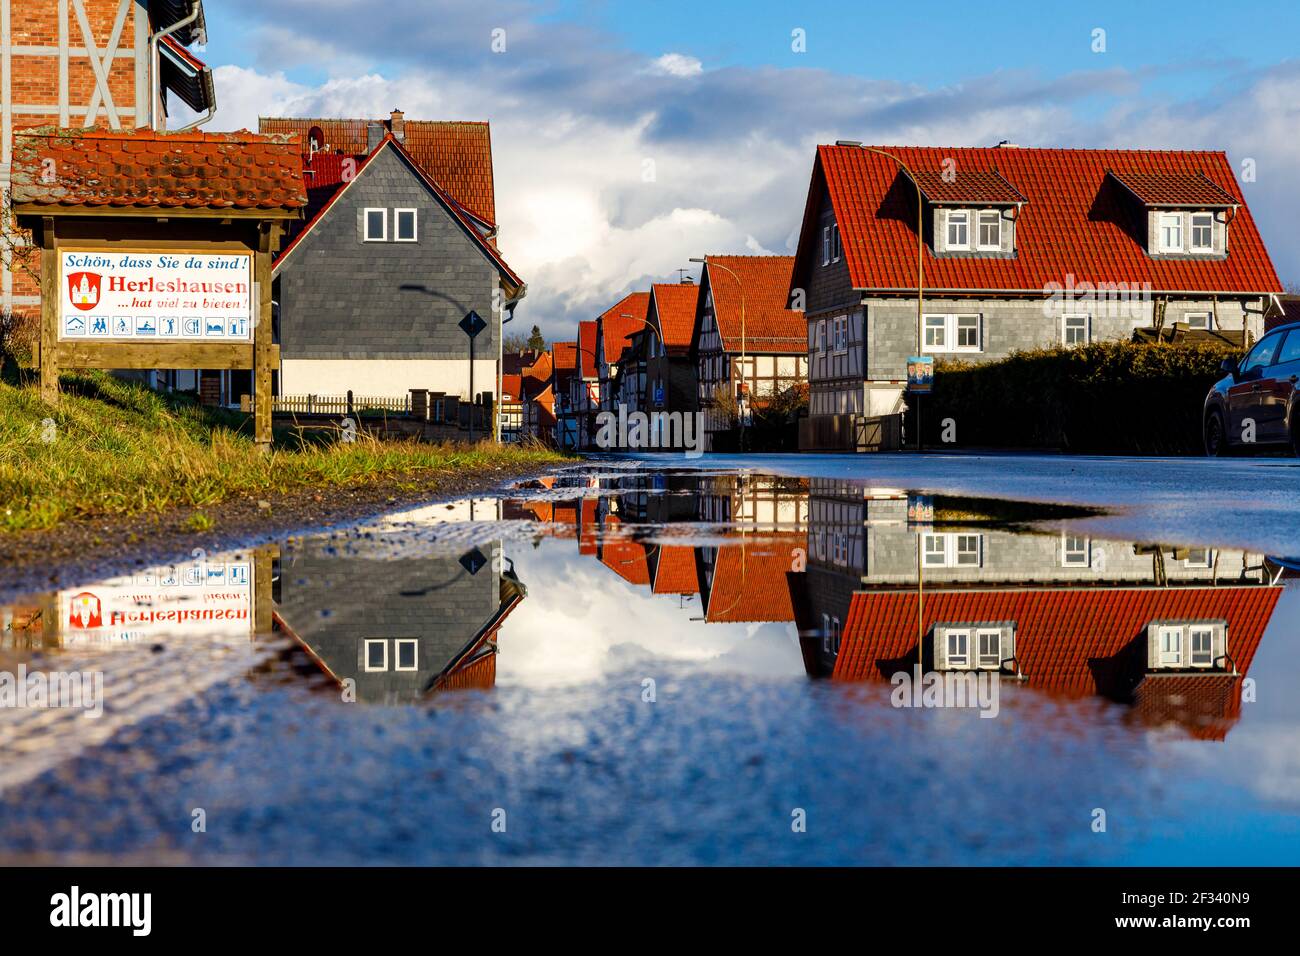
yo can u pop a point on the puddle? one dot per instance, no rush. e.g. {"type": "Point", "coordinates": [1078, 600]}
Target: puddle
{"type": "Point", "coordinates": [669, 667]}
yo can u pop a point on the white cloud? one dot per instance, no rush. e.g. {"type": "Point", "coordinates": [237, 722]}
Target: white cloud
{"type": "Point", "coordinates": [677, 64]}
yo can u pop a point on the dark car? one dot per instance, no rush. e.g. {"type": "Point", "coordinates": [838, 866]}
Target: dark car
{"type": "Point", "coordinates": [1257, 401]}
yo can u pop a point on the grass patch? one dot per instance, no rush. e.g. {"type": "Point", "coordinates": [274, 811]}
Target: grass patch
{"type": "Point", "coordinates": [116, 448]}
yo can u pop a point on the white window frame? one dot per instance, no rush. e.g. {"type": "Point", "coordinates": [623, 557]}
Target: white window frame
{"type": "Point", "coordinates": [415, 224]}
{"type": "Point", "coordinates": [961, 661]}
{"type": "Point", "coordinates": [826, 245]}
{"type": "Point", "coordinates": [397, 654]}
{"type": "Point", "coordinates": [981, 218]}
{"type": "Point", "coordinates": [841, 326]}
{"type": "Point", "coordinates": [1203, 564]}
{"type": "Point", "coordinates": [365, 224]}
{"type": "Point", "coordinates": [1207, 316]}
{"type": "Point", "coordinates": [1166, 657]}
{"type": "Point", "coordinates": [951, 328]}
{"type": "Point", "coordinates": [1164, 221]}
{"type": "Point", "coordinates": [957, 219]}
{"type": "Point", "coordinates": [1194, 631]}
{"type": "Point", "coordinates": [836, 250]}
{"type": "Point", "coordinates": [1193, 245]}
{"type": "Point", "coordinates": [365, 655]}
{"type": "Point", "coordinates": [1065, 327]}
{"type": "Point", "coordinates": [980, 663]}
{"type": "Point", "coordinates": [1070, 556]}
{"type": "Point", "coordinates": [951, 554]}
{"type": "Point", "coordinates": [941, 327]}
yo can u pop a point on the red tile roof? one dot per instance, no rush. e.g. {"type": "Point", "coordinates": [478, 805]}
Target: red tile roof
{"type": "Point", "coordinates": [538, 375]}
{"type": "Point", "coordinates": [487, 246]}
{"type": "Point", "coordinates": [457, 155]}
{"type": "Point", "coordinates": [512, 388]}
{"type": "Point", "coordinates": [587, 348]}
{"type": "Point", "coordinates": [675, 570]}
{"type": "Point", "coordinates": [967, 185]}
{"type": "Point", "coordinates": [1065, 638]}
{"type": "Point", "coordinates": [148, 169]}
{"type": "Point", "coordinates": [765, 281]}
{"type": "Point", "coordinates": [623, 556]}
{"type": "Point", "coordinates": [615, 329]}
{"type": "Point", "coordinates": [1173, 189]}
{"type": "Point", "coordinates": [564, 355]}
{"type": "Point", "coordinates": [749, 579]}
{"type": "Point", "coordinates": [1074, 224]}
{"type": "Point", "coordinates": [672, 312]}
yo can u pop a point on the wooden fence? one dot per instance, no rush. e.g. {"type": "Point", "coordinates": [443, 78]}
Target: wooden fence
{"type": "Point", "coordinates": [338, 404]}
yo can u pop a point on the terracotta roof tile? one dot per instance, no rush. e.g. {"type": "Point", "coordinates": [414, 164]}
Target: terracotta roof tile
{"type": "Point", "coordinates": [564, 355]}
{"type": "Point", "coordinates": [675, 570]}
{"type": "Point", "coordinates": [615, 329]}
{"type": "Point", "coordinates": [967, 185]}
{"type": "Point", "coordinates": [623, 556]}
{"type": "Point", "coordinates": [455, 154]}
{"type": "Point", "coordinates": [1075, 224]}
{"type": "Point", "coordinates": [587, 348]}
{"type": "Point", "coordinates": [154, 170]}
{"type": "Point", "coordinates": [511, 388]}
{"type": "Point", "coordinates": [749, 579]}
{"type": "Point", "coordinates": [672, 311]}
{"type": "Point", "coordinates": [1174, 189]}
{"type": "Point", "coordinates": [1065, 638]}
{"type": "Point", "coordinates": [768, 325]}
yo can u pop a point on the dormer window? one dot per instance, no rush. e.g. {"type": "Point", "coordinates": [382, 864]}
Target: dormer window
{"type": "Point", "coordinates": [974, 646]}
{"type": "Point", "coordinates": [1202, 232]}
{"type": "Point", "coordinates": [958, 229]}
{"type": "Point", "coordinates": [1171, 232]}
{"type": "Point", "coordinates": [990, 230]}
{"type": "Point", "coordinates": [1187, 645]}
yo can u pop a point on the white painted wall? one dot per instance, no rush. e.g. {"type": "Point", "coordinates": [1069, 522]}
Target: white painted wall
{"type": "Point", "coordinates": [385, 378]}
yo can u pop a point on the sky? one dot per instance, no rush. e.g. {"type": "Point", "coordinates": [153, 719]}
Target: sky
{"type": "Point", "coordinates": [630, 137]}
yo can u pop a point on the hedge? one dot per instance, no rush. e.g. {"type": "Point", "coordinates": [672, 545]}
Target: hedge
{"type": "Point", "coordinates": [1104, 398]}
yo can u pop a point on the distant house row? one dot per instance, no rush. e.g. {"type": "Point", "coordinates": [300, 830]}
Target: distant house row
{"type": "Point", "coordinates": [1011, 249]}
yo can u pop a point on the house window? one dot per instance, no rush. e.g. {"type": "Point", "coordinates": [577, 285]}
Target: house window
{"type": "Point", "coordinates": [958, 230]}
{"type": "Point", "coordinates": [835, 243]}
{"type": "Point", "coordinates": [1202, 647]}
{"type": "Point", "coordinates": [1076, 551]}
{"type": "Point", "coordinates": [990, 230]}
{"type": "Point", "coordinates": [954, 333]}
{"type": "Point", "coordinates": [1202, 232]}
{"type": "Point", "coordinates": [990, 650]}
{"type": "Point", "coordinates": [376, 225]}
{"type": "Point", "coordinates": [404, 224]}
{"type": "Point", "coordinates": [1171, 646]}
{"type": "Point", "coordinates": [1199, 558]}
{"type": "Point", "coordinates": [1075, 329]}
{"type": "Point", "coordinates": [958, 649]}
{"type": "Point", "coordinates": [952, 550]}
{"type": "Point", "coordinates": [841, 333]}
{"type": "Point", "coordinates": [376, 655]}
{"type": "Point", "coordinates": [1171, 232]}
{"type": "Point", "coordinates": [826, 245]}
{"type": "Point", "coordinates": [407, 654]}
{"type": "Point", "coordinates": [1199, 320]}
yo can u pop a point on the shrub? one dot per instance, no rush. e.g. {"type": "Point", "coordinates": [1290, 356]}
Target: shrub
{"type": "Point", "coordinates": [1107, 397]}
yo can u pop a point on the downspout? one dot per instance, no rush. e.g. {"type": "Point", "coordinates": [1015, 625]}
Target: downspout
{"type": "Point", "coordinates": [155, 86]}
{"type": "Point", "coordinates": [206, 117]}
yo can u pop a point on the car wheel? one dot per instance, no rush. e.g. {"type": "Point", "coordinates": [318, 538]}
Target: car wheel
{"type": "Point", "coordinates": [1216, 438]}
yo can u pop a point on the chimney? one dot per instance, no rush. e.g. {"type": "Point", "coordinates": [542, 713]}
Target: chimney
{"type": "Point", "coordinates": [374, 135]}
{"type": "Point", "coordinates": [397, 123]}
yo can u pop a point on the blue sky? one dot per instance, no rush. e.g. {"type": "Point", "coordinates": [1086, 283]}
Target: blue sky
{"type": "Point", "coordinates": [712, 97]}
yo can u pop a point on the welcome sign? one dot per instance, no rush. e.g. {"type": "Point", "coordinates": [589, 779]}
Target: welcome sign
{"type": "Point", "coordinates": [155, 296]}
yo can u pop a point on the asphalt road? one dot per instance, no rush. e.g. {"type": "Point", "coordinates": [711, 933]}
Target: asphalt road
{"type": "Point", "coordinates": [1244, 502]}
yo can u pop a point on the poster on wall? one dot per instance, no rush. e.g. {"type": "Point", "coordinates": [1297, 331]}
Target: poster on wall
{"type": "Point", "coordinates": [155, 297]}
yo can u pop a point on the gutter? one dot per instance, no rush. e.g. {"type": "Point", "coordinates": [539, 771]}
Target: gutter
{"type": "Point", "coordinates": [155, 84]}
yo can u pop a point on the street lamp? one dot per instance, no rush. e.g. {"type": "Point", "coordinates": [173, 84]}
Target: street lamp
{"type": "Point", "coordinates": [920, 255]}
{"type": "Point", "coordinates": [644, 321]}
{"type": "Point", "coordinates": [744, 385]}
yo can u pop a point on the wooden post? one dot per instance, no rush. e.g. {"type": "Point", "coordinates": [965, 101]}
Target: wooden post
{"type": "Point", "coordinates": [263, 558]}
{"type": "Point", "coordinates": [262, 338]}
{"type": "Point", "coordinates": [49, 345]}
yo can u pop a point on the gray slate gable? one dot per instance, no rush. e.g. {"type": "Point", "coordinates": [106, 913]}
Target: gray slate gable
{"type": "Point", "coordinates": [342, 298]}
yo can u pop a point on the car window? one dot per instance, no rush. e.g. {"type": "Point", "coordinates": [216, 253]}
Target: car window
{"type": "Point", "coordinates": [1290, 351]}
{"type": "Point", "coordinates": [1261, 354]}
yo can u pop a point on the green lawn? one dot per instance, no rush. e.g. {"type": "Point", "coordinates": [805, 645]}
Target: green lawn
{"type": "Point", "coordinates": [115, 448]}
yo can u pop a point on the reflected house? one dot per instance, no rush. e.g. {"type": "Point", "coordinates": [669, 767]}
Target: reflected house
{"type": "Point", "coordinates": [744, 580]}
{"type": "Point", "coordinates": [761, 502]}
{"type": "Point", "coordinates": [403, 628]}
{"type": "Point", "coordinates": [1170, 631]}
{"type": "Point", "coordinates": [674, 570]}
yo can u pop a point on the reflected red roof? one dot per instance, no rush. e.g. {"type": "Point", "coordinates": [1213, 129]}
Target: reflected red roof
{"type": "Point", "coordinates": [1077, 221]}
{"type": "Point", "coordinates": [749, 579]}
{"type": "Point", "coordinates": [1066, 639]}
{"type": "Point", "coordinates": [675, 570]}
{"type": "Point", "coordinates": [623, 556]}
{"type": "Point", "coordinates": [765, 282]}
